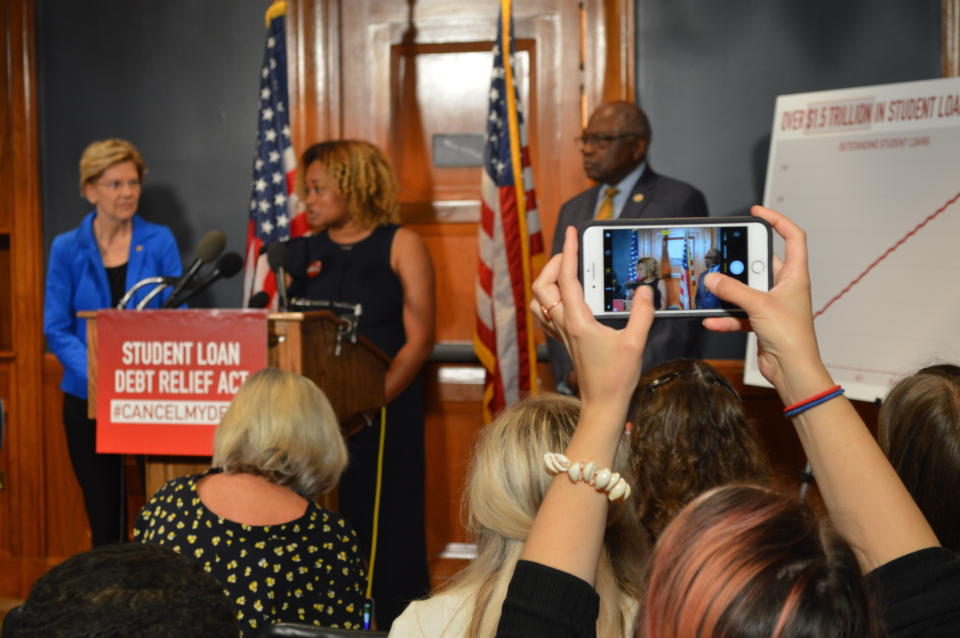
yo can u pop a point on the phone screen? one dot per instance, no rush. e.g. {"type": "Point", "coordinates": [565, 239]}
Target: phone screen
{"type": "Point", "coordinates": [672, 261]}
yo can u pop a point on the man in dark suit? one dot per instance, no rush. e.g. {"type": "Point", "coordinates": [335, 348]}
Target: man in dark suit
{"type": "Point", "coordinates": [614, 148]}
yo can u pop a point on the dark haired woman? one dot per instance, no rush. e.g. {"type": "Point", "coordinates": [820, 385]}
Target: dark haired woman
{"type": "Point", "coordinates": [358, 254]}
{"type": "Point", "coordinates": [689, 434]}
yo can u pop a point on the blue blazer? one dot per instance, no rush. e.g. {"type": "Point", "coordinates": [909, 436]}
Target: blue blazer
{"type": "Point", "coordinates": [77, 280]}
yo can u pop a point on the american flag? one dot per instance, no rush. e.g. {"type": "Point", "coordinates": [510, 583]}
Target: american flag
{"type": "Point", "coordinates": [686, 299]}
{"type": "Point", "coordinates": [273, 206]}
{"type": "Point", "coordinates": [509, 240]}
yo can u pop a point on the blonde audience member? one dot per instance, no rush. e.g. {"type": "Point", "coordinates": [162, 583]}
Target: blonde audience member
{"type": "Point", "coordinates": [505, 486]}
{"type": "Point", "coordinates": [252, 520]}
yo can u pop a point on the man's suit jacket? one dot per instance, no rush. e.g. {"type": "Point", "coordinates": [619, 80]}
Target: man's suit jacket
{"type": "Point", "coordinates": [661, 197]}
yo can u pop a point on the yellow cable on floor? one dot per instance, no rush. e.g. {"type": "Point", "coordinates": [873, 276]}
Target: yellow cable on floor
{"type": "Point", "coordinates": [376, 501]}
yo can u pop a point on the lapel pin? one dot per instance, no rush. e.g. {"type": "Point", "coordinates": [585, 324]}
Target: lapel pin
{"type": "Point", "coordinates": [139, 247]}
{"type": "Point", "coordinates": [638, 198]}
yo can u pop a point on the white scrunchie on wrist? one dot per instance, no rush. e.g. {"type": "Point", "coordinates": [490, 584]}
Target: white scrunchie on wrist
{"type": "Point", "coordinates": [604, 480]}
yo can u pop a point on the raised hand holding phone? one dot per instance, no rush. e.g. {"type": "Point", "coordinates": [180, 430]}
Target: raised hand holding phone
{"type": "Point", "coordinates": [865, 498]}
{"type": "Point", "coordinates": [608, 363]}
{"type": "Point", "coordinates": [783, 317]}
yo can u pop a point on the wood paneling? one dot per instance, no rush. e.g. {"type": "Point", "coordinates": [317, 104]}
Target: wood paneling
{"type": "Point", "coordinates": [23, 498]}
{"type": "Point", "coordinates": [64, 515]}
{"type": "Point", "coordinates": [6, 317]}
{"type": "Point", "coordinates": [6, 515]}
{"type": "Point", "coordinates": [343, 83]}
{"type": "Point", "coordinates": [453, 248]}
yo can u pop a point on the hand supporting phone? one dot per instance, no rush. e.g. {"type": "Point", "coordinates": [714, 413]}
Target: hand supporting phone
{"type": "Point", "coordinates": [672, 257]}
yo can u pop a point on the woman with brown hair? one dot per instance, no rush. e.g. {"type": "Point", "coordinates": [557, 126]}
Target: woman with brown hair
{"type": "Point", "coordinates": [357, 253]}
{"type": "Point", "coordinates": [920, 434]}
{"type": "Point", "coordinates": [689, 434]}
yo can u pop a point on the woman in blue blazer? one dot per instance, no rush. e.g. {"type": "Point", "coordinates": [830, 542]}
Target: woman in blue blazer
{"type": "Point", "coordinates": [90, 268]}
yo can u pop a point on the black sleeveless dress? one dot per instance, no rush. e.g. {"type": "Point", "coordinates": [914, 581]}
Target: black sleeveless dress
{"type": "Point", "coordinates": [324, 270]}
{"type": "Point", "coordinates": [655, 285]}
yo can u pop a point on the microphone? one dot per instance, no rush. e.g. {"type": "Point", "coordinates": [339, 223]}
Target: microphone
{"type": "Point", "coordinates": [163, 280]}
{"type": "Point", "coordinates": [227, 266]}
{"type": "Point", "coordinates": [276, 256]}
{"type": "Point", "coordinates": [209, 248]}
{"type": "Point", "coordinates": [259, 300]}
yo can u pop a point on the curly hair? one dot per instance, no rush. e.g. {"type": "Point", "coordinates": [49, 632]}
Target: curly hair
{"type": "Point", "coordinates": [689, 434]}
{"type": "Point", "coordinates": [919, 431]}
{"type": "Point", "coordinates": [365, 181]}
{"type": "Point", "coordinates": [649, 267]}
{"type": "Point", "coordinates": [127, 590]}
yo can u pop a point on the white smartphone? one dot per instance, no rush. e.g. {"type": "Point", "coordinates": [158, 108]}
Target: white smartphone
{"type": "Point", "coordinates": [671, 256]}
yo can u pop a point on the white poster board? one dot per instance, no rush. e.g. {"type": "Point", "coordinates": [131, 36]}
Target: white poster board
{"type": "Point", "coordinates": [865, 171]}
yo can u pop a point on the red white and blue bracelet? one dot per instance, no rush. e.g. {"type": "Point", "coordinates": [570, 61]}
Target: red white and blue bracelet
{"type": "Point", "coordinates": [817, 399]}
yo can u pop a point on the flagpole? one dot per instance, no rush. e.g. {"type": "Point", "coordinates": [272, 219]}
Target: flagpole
{"type": "Point", "coordinates": [520, 188]}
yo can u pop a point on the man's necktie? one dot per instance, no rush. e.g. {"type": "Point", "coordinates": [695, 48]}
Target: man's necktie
{"type": "Point", "coordinates": [606, 206]}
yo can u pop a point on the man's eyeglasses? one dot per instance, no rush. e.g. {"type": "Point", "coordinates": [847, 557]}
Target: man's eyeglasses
{"type": "Point", "coordinates": [601, 141]}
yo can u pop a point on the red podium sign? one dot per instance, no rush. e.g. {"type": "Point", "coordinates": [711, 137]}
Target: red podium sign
{"type": "Point", "coordinates": [165, 377]}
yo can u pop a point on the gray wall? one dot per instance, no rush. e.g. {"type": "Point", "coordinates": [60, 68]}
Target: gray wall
{"type": "Point", "coordinates": [708, 74]}
{"type": "Point", "coordinates": [179, 79]}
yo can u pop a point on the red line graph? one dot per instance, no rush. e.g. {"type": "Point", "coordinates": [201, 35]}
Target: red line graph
{"type": "Point", "coordinates": [886, 254]}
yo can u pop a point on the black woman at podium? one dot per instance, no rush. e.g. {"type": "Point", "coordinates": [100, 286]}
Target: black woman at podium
{"type": "Point", "coordinates": [357, 253]}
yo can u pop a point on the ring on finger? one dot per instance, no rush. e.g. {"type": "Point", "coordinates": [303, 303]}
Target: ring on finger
{"type": "Point", "coordinates": [546, 309]}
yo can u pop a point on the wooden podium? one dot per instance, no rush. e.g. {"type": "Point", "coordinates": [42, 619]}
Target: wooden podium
{"type": "Point", "coordinates": [350, 372]}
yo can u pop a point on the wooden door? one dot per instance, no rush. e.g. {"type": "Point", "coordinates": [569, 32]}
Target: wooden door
{"type": "Point", "coordinates": [409, 75]}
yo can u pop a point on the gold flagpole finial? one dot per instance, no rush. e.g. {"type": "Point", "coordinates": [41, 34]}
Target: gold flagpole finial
{"type": "Point", "coordinates": [277, 9]}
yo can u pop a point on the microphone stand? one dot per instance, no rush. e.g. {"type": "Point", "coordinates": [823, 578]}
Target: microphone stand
{"type": "Point", "coordinates": [137, 286]}
{"type": "Point", "coordinates": [150, 295]}
{"type": "Point", "coordinates": [347, 313]}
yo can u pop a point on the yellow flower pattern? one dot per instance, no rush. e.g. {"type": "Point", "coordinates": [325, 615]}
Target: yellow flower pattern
{"type": "Point", "coordinates": [314, 560]}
